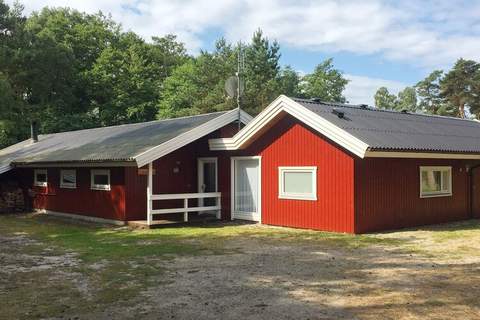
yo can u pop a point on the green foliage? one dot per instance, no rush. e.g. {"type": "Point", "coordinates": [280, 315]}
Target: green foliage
{"type": "Point", "coordinates": [407, 100]}
{"type": "Point", "coordinates": [326, 83]}
{"type": "Point", "coordinates": [70, 70]}
{"type": "Point", "coordinates": [384, 99]}
{"type": "Point", "coordinates": [461, 87]}
{"type": "Point", "coordinates": [446, 94]}
{"type": "Point", "coordinates": [428, 91]}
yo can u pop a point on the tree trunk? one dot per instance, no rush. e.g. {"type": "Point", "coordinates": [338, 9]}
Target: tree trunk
{"type": "Point", "coordinates": [461, 110]}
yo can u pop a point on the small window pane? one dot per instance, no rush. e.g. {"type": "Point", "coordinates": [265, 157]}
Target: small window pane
{"type": "Point", "coordinates": [435, 181]}
{"type": "Point", "coordinates": [298, 182]}
{"type": "Point", "coordinates": [100, 179]}
{"type": "Point", "coordinates": [41, 177]}
{"type": "Point", "coordinates": [68, 178]}
{"type": "Point", "coordinates": [446, 180]}
{"type": "Point", "coordinates": [432, 181]}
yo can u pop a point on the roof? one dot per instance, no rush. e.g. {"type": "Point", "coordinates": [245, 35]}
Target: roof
{"type": "Point", "coordinates": [367, 131]}
{"type": "Point", "coordinates": [388, 130]}
{"type": "Point", "coordinates": [138, 142]}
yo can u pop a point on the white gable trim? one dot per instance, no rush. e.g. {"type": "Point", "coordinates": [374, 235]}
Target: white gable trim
{"type": "Point", "coordinates": [190, 136]}
{"type": "Point", "coordinates": [313, 120]}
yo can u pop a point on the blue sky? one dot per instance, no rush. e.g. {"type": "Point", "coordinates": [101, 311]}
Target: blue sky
{"type": "Point", "coordinates": [374, 42]}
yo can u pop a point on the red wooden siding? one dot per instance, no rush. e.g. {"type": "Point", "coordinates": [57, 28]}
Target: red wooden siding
{"type": "Point", "coordinates": [387, 194]}
{"type": "Point", "coordinates": [291, 143]}
{"type": "Point", "coordinates": [82, 200]}
{"type": "Point", "coordinates": [475, 192]}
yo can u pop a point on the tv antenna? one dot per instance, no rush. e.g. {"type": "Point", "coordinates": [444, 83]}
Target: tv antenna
{"type": "Point", "coordinates": [234, 86]}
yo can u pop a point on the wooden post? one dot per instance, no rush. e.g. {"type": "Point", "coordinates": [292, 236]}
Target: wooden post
{"type": "Point", "coordinates": [149, 194]}
{"type": "Point", "coordinates": [185, 205]}
{"type": "Point", "coordinates": [218, 202]}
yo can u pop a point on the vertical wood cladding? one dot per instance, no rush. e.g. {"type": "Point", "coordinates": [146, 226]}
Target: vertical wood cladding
{"type": "Point", "coordinates": [108, 204]}
{"type": "Point", "coordinates": [387, 194]}
{"type": "Point", "coordinates": [291, 143]}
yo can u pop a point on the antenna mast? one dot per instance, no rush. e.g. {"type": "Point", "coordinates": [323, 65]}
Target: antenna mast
{"type": "Point", "coordinates": [240, 68]}
{"type": "Point", "coordinates": [233, 85]}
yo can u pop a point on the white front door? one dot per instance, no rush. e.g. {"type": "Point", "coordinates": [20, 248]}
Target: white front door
{"type": "Point", "coordinates": [246, 188]}
{"type": "Point", "coordinates": [207, 179]}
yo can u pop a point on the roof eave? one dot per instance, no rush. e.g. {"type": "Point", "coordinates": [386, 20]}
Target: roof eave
{"type": "Point", "coordinates": [420, 154]}
{"type": "Point", "coordinates": [75, 163]}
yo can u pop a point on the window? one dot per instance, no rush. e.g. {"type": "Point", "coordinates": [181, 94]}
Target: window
{"type": "Point", "coordinates": [100, 179]}
{"type": "Point", "coordinates": [40, 177]}
{"type": "Point", "coordinates": [435, 181]}
{"type": "Point", "coordinates": [68, 179]}
{"type": "Point", "coordinates": [297, 183]}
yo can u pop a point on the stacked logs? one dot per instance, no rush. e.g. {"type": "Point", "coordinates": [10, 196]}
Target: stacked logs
{"type": "Point", "coordinates": [12, 199]}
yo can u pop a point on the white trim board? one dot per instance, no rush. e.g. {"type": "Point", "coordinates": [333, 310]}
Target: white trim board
{"type": "Point", "coordinates": [282, 194]}
{"type": "Point", "coordinates": [252, 216]}
{"type": "Point", "coordinates": [190, 136]}
{"type": "Point", "coordinates": [285, 104]}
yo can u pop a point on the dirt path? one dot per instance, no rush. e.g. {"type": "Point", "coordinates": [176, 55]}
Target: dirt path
{"type": "Point", "coordinates": [304, 281]}
{"type": "Point", "coordinates": [260, 278]}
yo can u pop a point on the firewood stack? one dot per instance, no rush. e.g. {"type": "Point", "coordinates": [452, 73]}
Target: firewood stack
{"type": "Point", "coordinates": [11, 199]}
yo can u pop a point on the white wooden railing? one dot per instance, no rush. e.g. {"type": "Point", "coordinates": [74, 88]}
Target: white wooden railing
{"type": "Point", "coordinates": [185, 209]}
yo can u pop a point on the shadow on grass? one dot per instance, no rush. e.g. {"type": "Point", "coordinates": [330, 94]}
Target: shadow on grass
{"type": "Point", "coordinates": [325, 278]}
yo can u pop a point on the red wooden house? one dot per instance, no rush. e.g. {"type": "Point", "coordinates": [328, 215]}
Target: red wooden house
{"type": "Point", "coordinates": [299, 163]}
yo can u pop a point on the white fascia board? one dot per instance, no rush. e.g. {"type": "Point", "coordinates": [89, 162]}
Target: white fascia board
{"type": "Point", "coordinates": [245, 118]}
{"type": "Point", "coordinates": [313, 120]}
{"type": "Point", "coordinates": [420, 155]}
{"type": "Point", "coordinates": [189, 136]}
{"type": "Point", "coordinates": [6, 168]}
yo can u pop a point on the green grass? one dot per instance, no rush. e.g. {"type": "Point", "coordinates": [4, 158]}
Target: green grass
{"type": "Point", "coordinates": [94, 243]}
{"type": "Point", "coordinates": [119, 263]}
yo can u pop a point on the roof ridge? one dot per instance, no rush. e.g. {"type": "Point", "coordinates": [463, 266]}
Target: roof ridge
{"type": "Point", "coordinates": [370, 108]}
{"type": "Point", "coordinates": [134, 123]}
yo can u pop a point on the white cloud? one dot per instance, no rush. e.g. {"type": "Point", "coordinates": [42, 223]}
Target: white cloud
{"type": "Point", "coordinates": [360, 90]}
{"type": "Point", "coordinates": [430, 33]}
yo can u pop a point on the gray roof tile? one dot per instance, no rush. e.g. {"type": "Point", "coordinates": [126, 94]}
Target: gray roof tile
{"type": "Point", "coordinates": [116, 143]}
{"type": "Point", "coordinates": [395, 131]}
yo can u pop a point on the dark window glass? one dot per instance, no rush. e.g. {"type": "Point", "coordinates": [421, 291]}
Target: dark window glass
{"type": "Point", "coordinates": [41, 177]}
{"type": "Point", "coordinates": [101, 179]}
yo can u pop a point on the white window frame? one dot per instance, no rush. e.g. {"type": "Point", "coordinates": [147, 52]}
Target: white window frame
{"type": "Point", "coordinates": [66, 184]}
{"type": "Point", "coordinates": [443, 193]}
{"type": "Point", "coordinates": [297, 196]}
{"type": "Point", "coordinates": [252, 216]}
{"type": "Point", "coordinates": [93, 186]}
{"type": "Point", "coordinates": [40, 183]}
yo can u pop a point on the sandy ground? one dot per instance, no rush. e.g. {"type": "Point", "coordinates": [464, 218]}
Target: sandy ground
{"type": "Point", "coordinates": [264, 280]}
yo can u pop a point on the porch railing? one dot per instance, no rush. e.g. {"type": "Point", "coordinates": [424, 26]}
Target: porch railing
{"type": "Point", "coordinates": [186, 208]}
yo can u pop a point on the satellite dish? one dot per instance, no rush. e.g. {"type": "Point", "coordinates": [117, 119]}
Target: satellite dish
{"type": "Point", "coordinates": [231, 86]}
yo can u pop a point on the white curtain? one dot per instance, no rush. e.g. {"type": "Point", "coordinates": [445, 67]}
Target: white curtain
{"type": "Point", "coordinates": [246, 185]}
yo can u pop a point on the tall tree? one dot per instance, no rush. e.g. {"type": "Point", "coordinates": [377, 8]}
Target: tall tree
{"type": "Point", "coordinates": [13, 40]}
{"type": "Point", "coordinates": [289, 82]}
{"type": "Point", "coordinates": [385, 100]}
{"type": "Point", "coordinates": [261, 71]}
{"type": "Point", "coordinates": [326, 83]}
{"type": "Point", "coordinates": [407, 100]}
{"type": "Point", "coordinates": [198, 85]}
{"type": "Point", "coordinates": [460, 86]}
